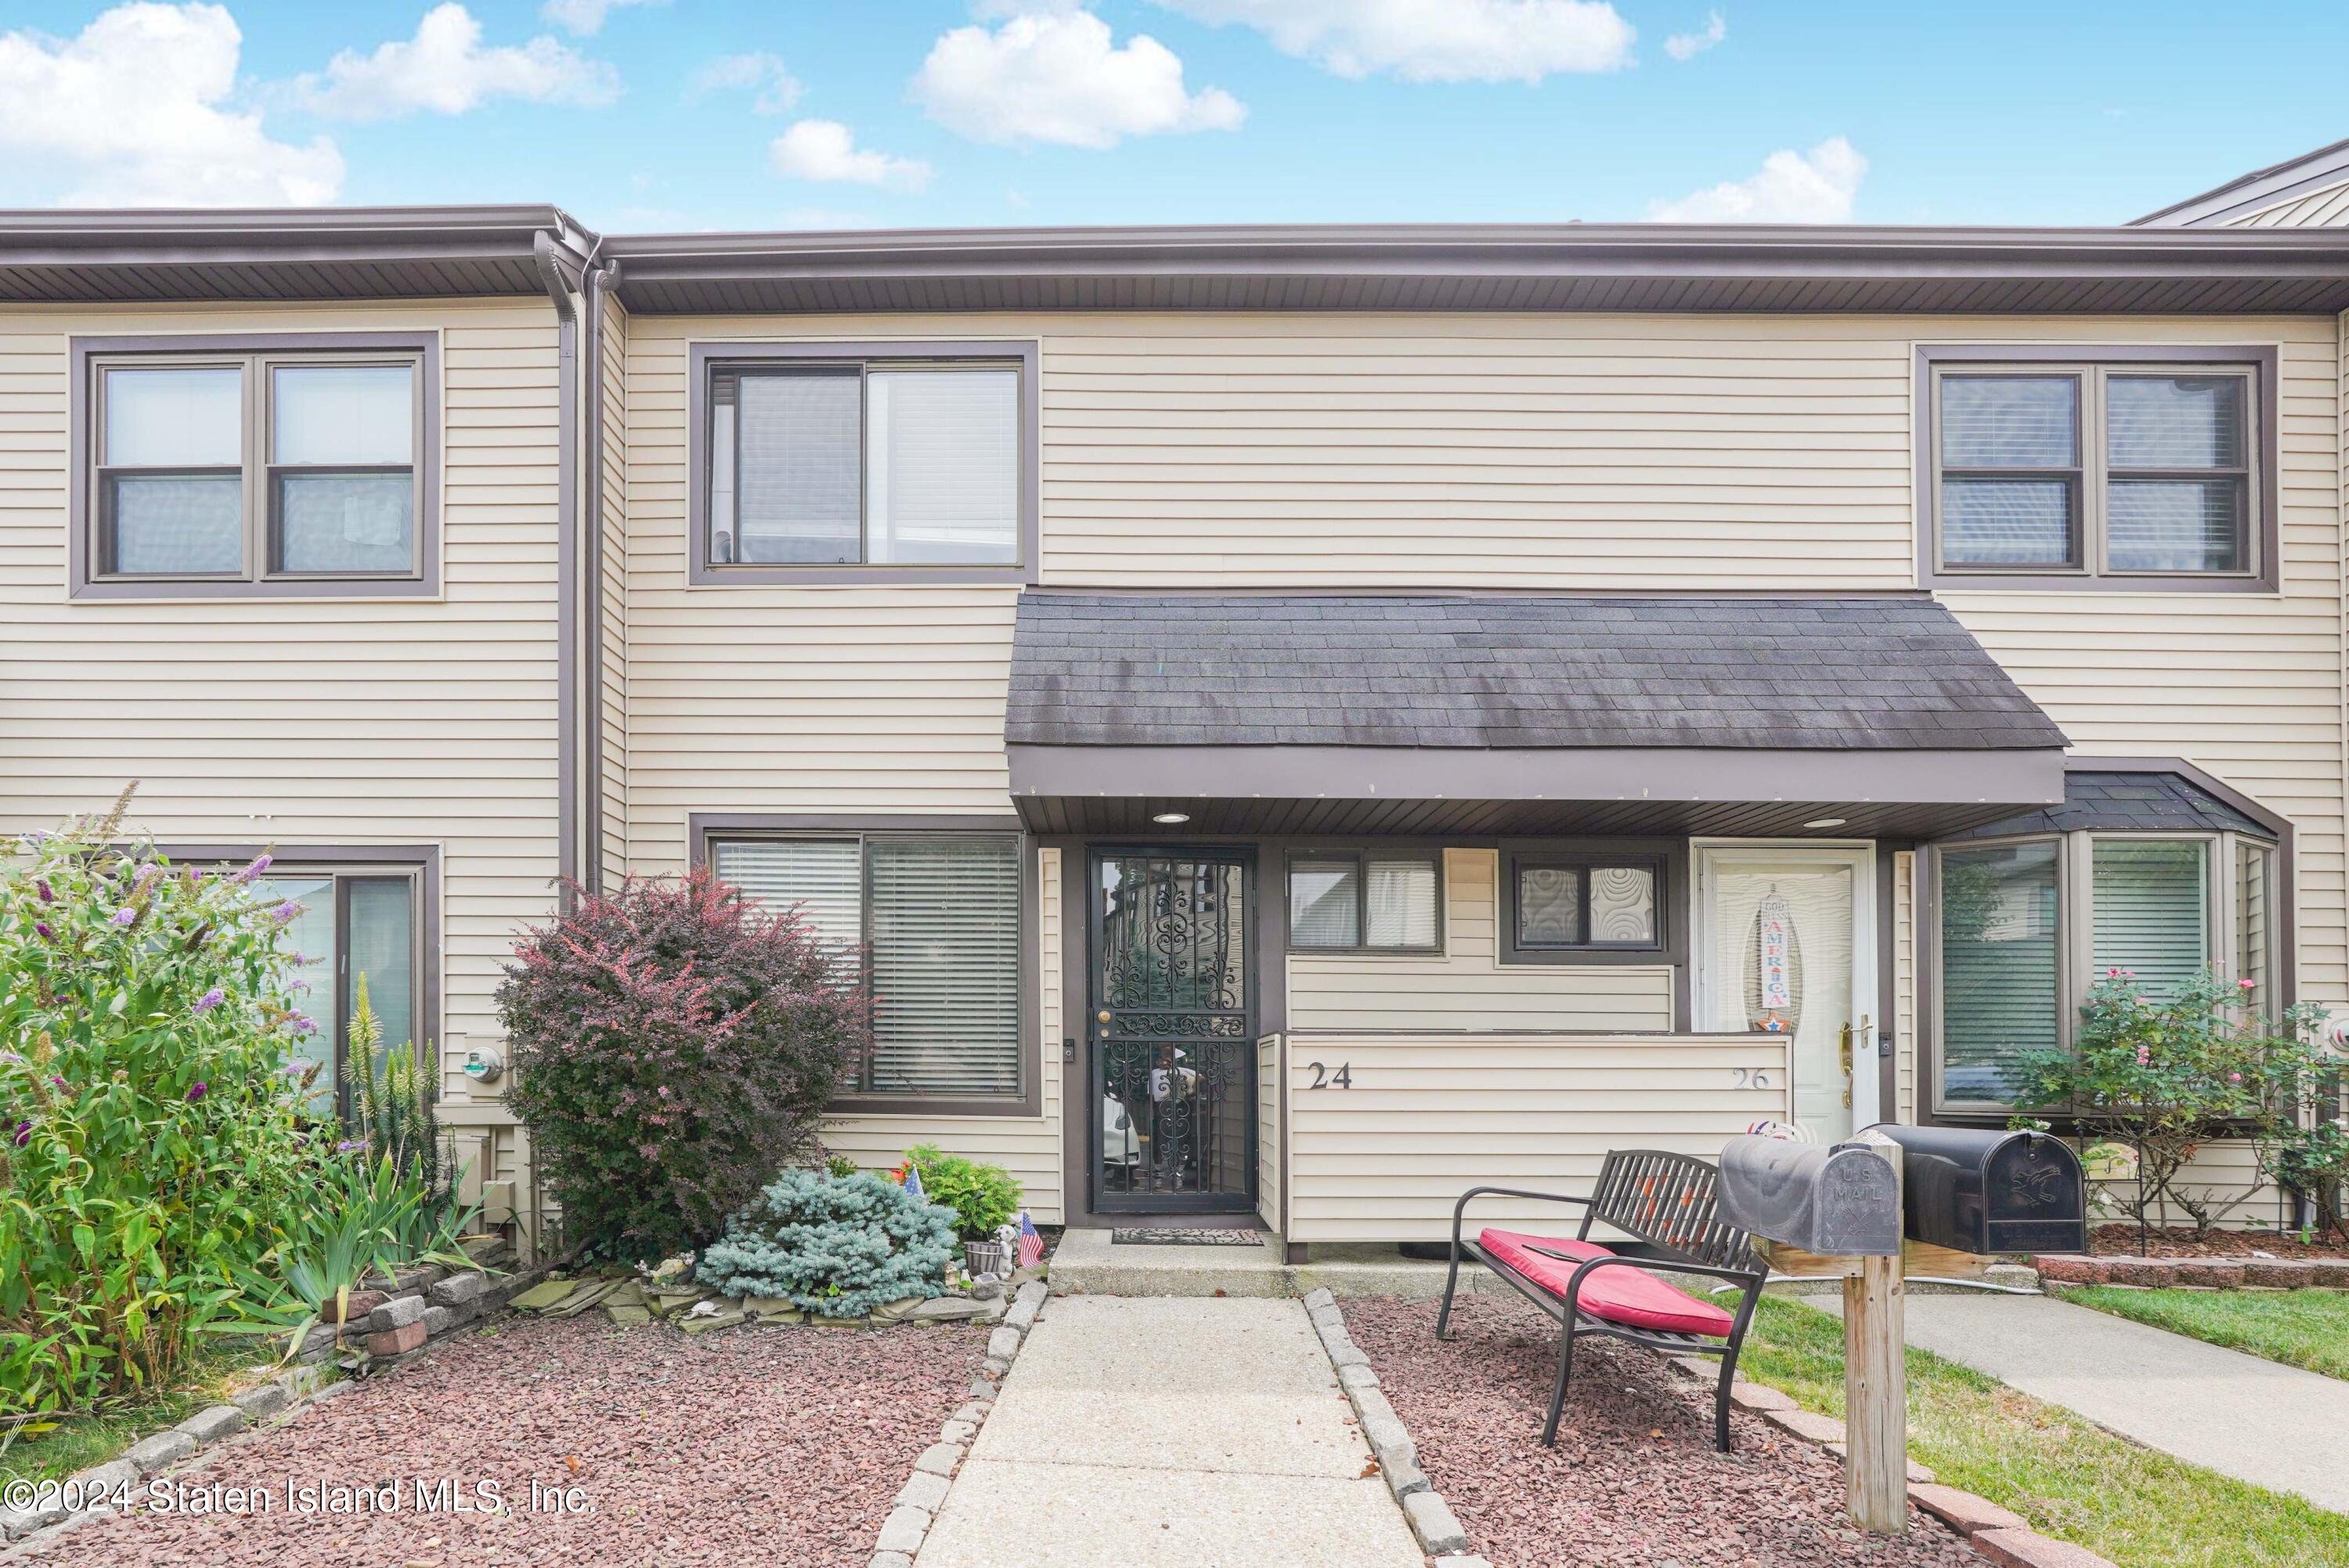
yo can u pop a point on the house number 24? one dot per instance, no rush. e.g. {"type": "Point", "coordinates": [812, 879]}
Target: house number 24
{"type": "Point", "coordinates": [1324, 1079]}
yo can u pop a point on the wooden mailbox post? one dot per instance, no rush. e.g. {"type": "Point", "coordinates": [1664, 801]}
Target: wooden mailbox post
{"type": "Point", "coordinates": [1837, 1211]}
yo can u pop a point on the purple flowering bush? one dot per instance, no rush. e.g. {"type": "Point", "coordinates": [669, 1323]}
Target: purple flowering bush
{"type": "Point", "coordinates": [2164, 1074]}
{"type": "Point", "coordinates": [674, 1047]}
{"type": "Point", "coordinates": [152, 1138]}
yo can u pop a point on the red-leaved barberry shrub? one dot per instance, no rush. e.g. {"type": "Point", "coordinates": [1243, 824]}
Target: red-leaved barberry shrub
{"type": "Point", "coordinates": [673, 1049]}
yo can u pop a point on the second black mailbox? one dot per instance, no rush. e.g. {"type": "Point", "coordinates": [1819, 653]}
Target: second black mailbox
{"type": "Point", "coordinates": [1976, 1190]}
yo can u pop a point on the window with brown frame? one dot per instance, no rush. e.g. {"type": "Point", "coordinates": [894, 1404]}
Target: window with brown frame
{"type": "Point", "coordinates": [282, 468]}
{"type": "Point", "coordinates": [2128, 469]}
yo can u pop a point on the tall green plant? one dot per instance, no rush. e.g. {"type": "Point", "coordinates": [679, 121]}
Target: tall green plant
{"type": "Point", "coordinates": [149, 1130]}
{"type": "Point", "coordinates": [394, 1094]}
{"type": "Point", "coordinates": [2164, 1076]}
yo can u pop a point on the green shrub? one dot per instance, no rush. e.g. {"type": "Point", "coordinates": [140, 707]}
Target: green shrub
{"type": "Point", "coordinates": [983, 1197]}
{"type": "Point", "coordinates": [149, 1135]}
{"type": "Point", "coordinates": [673, 1049]}
{"type": "Point", "coordinates": [837, 1247]}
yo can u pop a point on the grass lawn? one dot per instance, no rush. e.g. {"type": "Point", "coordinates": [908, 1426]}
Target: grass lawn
{"type": "Point", "coordinates": [2306, 1328]}
{"type": "Point", "coordinates": [2068, 1477]}
{"type": "Point", "coordinates": [80, 1442]}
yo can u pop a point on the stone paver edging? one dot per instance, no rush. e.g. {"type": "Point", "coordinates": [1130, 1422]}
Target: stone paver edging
{"type": "Point", "coordinates": [924, 1492]}
{"type": "Point", "coordinates": [2214, 1273]}
{"type": "Point", "coordinates": [1432, 1519]}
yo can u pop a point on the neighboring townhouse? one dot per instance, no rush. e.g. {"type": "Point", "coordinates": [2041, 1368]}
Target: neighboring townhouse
{"type": "Point", "coordinates": [1298, 721]}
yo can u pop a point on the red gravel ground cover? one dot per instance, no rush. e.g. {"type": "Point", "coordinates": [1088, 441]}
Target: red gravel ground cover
{"type": "Point", "coordinates": [1634, 1477]}
{"type": "Point", "coordinates": [2122, 1241]}
{"type": "Point", "coordinates": [772, 1446]}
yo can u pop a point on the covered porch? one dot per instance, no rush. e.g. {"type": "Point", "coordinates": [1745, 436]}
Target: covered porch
{"type": "Point", "coordinates": [1364, 899]}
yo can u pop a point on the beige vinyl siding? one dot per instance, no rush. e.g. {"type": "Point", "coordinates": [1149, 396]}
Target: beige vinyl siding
{"type": "Point", "coordinates": [1430, 1116]}
{"type": "Point", "coordinates": [292, 721]}
{"type": "Point", "coordinates": [612, 587]}
{"type": "Point", "coordinates": [1027, 1147]}
{"type": "Point", "coordinates": [1692, 453]}
{"type": "Point", "coordinates": [1268, 1160]}
{"type": "Point", "coordinates": [2316, 210]}
{"type": "Point", "coordinates": [1467, 986]}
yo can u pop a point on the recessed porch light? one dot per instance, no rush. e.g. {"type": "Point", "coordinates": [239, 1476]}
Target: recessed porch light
{"type": "Point", "coordinates": [1826, 822]}
{"type": "Point", "coordinates": [1172, 819]}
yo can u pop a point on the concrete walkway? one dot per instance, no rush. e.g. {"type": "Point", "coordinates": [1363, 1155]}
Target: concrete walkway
{"type": "Point", "coordinates": [1139, 1431]}
{"type": "Point", "coordinates": [2275, 1425]}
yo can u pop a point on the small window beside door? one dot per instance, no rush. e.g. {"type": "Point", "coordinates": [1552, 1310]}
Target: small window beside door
{"type": "Point", "coordinates": [1367, 902]}
{"type": "Point", "coordinates": [1585, 904]}
{"type": "Point", "coordinates": [262, 472]}
{"type": "Point", "coordinates": [909, 463]}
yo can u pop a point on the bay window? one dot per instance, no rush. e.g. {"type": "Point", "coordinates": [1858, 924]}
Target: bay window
{"type": "Point", "coordinates": [2025, 926]}
{"type": "Point", "coordinates": [928, 924]}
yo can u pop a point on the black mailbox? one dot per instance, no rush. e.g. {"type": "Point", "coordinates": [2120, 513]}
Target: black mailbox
{"type": "Point", "coordinates": [1842, 1201]}
{"type": "Point", "coordinates": [1975, 1190]}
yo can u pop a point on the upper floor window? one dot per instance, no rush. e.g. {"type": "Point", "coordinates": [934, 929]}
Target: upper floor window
{"type": "Point", "coordinates": [913, 464]}
{"type": "Point", "coordinates": [2084, 473]}
{"type": "Point", "coordinates": [253, 470]}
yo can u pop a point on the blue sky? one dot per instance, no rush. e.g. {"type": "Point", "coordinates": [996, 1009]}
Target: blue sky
{"type": "Point", "coordinates": [698, 114]}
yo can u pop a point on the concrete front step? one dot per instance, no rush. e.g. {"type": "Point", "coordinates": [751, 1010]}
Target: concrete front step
{"type": "Point", "coordinates": [1088, 1262]}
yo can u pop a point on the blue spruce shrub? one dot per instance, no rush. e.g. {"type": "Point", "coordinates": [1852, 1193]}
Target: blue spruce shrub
{"type": "Point", "coordinates": [837, 1247]}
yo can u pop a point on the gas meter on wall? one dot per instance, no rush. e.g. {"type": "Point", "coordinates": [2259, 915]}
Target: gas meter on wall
{"type": "Point", "coordinates": [2333, 1033]}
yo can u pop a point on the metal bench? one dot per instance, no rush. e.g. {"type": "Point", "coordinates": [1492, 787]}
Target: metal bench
{"type": "Point", "coordinates": [1668, 1201]}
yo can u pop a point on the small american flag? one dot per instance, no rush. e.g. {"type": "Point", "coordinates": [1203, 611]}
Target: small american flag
{"type": "Point", "coordinates": [1032, 1245]}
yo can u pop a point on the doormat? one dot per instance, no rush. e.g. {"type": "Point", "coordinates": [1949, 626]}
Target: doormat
{"type": "Point", "coordinates": [1181, 1236]}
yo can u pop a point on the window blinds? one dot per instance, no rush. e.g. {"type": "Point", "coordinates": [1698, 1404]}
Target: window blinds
{"type": "Point", "coordinates": [2151, 911]}
{"type": "Point", "coordinates": [942, 944]}
{"type": "Point", "coordinates": [945, 965]}
{"type": "Point", "coordinates": [2000, 942]}
{"type": "Point", "coordinates": [942, 464]}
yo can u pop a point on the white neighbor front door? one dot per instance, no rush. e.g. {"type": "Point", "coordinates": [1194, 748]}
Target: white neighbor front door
{"type": "Point", "coordinates": [1786, 933]}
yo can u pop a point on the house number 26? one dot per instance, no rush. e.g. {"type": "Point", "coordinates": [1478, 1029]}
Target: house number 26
{"type": "Point", "coordinates": [1749, 1078]}
{"type": "Point", "coordinates": [1324, 1079]}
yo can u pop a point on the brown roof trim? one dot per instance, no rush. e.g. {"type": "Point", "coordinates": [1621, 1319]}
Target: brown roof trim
{"type": "Point", "coordinates": [339, 253]}
{"type": "Point", "coordinates": [2257, 190]}
{"type": "Point", "coordinates": [1571, 266]}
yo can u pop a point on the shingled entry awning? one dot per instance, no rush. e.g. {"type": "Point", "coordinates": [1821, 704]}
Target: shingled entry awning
{"type": "Point", "coordinates": [1519, 714]}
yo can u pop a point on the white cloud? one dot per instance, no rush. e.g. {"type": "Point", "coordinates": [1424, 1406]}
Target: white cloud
{"type": "Point", "coordinates": [1688, 45]}
{"type": "Point", "coordinates": [445, 69]}
{"type": "Point", "coordinates": [778, 88]}
{"type": "Point", "coordinates": [1057, 76]}
{"type": "Point", "coordinates": [134, 109]}
{"type": "Point", "coordinates": [585, 18]}
{"type": "Point", "coordinates": [826, 149]}
{"type": "Point", "coordinates": [1814, 187]}
{"type": "Point", "coordinates": [1435, 41]}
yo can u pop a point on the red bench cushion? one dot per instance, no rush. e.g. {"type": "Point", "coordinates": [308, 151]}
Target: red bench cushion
{"type": "Point", "coordinates": [1626, 1295]}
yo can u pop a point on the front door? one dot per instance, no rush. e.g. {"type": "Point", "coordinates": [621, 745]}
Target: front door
{"type": "Point", "coordinates": [1172, 1032]}
{"type": "Point", "coordinates": [1785, 944]}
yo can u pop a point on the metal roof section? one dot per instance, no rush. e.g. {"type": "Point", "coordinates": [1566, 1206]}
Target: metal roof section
{"type": "Point", "coordinates": [2255, 192]}
{"type": "Point", "coordinates": [281, 253]}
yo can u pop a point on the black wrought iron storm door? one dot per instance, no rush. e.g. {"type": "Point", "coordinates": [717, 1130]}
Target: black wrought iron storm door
{"type": "Point", "coordinates": [1172, 1033]}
